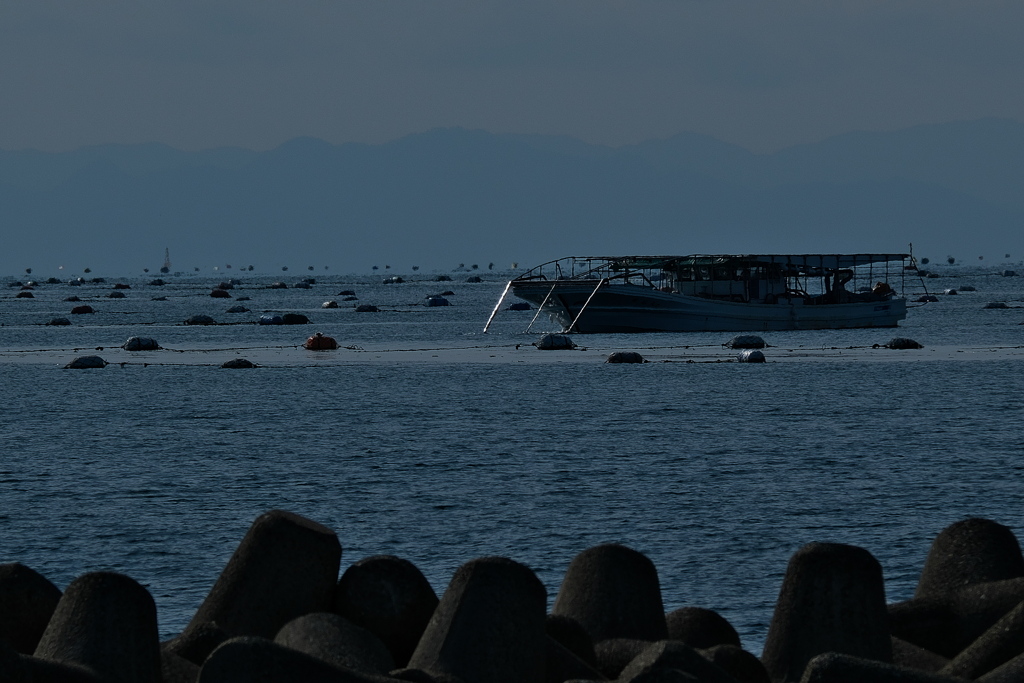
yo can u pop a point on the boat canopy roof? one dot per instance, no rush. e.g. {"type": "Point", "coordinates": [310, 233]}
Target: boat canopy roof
{"type": "Point", "coordinates": [795, 261]}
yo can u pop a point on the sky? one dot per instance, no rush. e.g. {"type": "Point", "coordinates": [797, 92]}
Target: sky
{"type": "Point", "coordinates": [764, 74]}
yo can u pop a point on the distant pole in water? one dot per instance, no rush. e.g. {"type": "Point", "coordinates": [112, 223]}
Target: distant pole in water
{"type": "Point", "coordinates": [166, 268]}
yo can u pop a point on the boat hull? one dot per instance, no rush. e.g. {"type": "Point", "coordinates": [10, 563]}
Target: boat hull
{"type": "Point", "coordinates": [632, 308]}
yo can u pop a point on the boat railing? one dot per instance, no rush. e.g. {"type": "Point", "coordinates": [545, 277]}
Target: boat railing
{"type": "Point", "coordinates": [578, 268]}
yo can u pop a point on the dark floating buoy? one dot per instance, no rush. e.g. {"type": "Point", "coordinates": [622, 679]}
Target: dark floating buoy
{"type": "Point", "coordinates": [238, 363]}
{"type": "Point", "coordinates": [159, 298]}
{"type": "Point", "coordinates": [995, 304]}
{"type": "Point", "coordinates": [116, 295]}
{"type": "Point", "coordinates": [72, 298]}
{"type": "Point", "coordinates": [393, 280]}
{"type": "Point", "coordinates": [200, 320]}
{"type": "Point", "coordinates": [141, 344]}
{"type": "Point", "coordinates": [80, 310]}
{"type": "Point", "coordinates": [1009, 273]}
{"type": "Point", "coordinates": [25, 295]}
{"type": "Point", "coordinates": [367, 308]}
{"type": "Point", "coordinates": [746, 341]}
{"type": "Point", "coordinates": [437, 301]}
{"type": "Point", "coordinates": [968, 288]}
{"type": "Point", "coordinates": [294, 319]}
{"type": "Point", "coordinates": [903, 343]}
{"type": "Point", "coordinates": [750, 356]}
{"type": "Point", "coordinates": [157, 283]}
{"type": "Point", "coordinates": [238, 309]}
{"type": "Point", "coordinates": [950, 292]}
{"type": "Point", "coordinates": [59, 321]}
{"type": "Point", "coordinates": [443, 278]}
{"type": "Point", "coordinates": [625, 357]}
{"type": "Point", "coordinates": [447, 292]}
{"type": "Point", "coordinates": [85, 363]}
{"type": "Point", "coordinates": [519, 306]}
{"type": "Point", "coordinates": [474, 278]}
{"type": "Point", "coordinates": [220, 294]}
{"type": "Point", "coordinates": [329, 304]}
{"type": "Point", "coordinates": [320, 342]}
{"type": "Point", "coordinates": [347, 292]}
{"type": "Point", "coordinates": [122, 285]}
{"type": "Point", "coordinates": [554, 342]}
{"type": "Point", "coordinates": [926, 299]}
{"type": "Point", "coordinates": [277, 285]}
{"type": "Point", "coordinates": [271, 319]}
{"type": "Point", "coordinates": [351, 298]}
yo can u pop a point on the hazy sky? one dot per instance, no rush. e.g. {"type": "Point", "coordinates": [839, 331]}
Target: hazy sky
{"type": "Point", "coordinates": [761, 73]}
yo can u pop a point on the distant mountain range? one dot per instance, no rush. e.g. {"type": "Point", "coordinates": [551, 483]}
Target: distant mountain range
{"type": "Point", "coordinates": [451, 196]}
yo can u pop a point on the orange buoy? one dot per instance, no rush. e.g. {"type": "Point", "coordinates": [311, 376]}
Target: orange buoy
{"type": "Point", "coordinates": [318, 342]}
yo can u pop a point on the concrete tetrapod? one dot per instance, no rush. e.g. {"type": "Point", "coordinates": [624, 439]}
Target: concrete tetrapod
{"type": "Point", "coordinates": [832, 600]}
{"type": "Point", "coordinates": [995, 647]}
{"type": "Point", "coordinates": [968, 552]}
{"type": "Point", "coordinates": [389, 597]}
{"type": "Point", "coordinates": [106, 623]}
{"type": "Point", "coordinates": [833, 667]}
{"type": "Point", "coordinates": [488, 627]}
{"type": "Point", "coordinates": [286, 566]}
{"type": "Point", "coordinates": [27, 601]}
{"type": "Point", "coordinates": [671, 654]}
{"type": "Point", "coordinates": [700, 628]}
{"type": "Point", "coordinates": [337, 641]}
{"type": "Point", "coordinates": [947, 624]}
{"type": "Point", "coordinates": [248, 659]}
{"type": "Point", "coordinates": [613, 592]}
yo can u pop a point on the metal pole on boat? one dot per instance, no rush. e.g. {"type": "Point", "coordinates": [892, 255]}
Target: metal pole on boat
{"type": "Point", "coordinates": [541, 307]}
{"type": "Point", "coordinates": [497, 306]}
{"type": "Point", "coordinates": [586, 303]}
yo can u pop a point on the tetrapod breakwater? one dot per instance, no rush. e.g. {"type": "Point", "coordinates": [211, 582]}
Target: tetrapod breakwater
{"type": "Point", "coordinates": [280, 612]}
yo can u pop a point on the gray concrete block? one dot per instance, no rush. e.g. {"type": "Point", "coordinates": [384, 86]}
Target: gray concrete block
{"type": "Point", "coordinates": [613, 592]}
{"type": "Point", "coordinates": [832, 600]}
{"type": "Point", "coordinates": [993, 648]}
{"type": "Point", "coordinates": [27, 601]}
{"type": "Point", "coordinates": [196, 643]}
{"type": "Point", "coordinates": [250, 659]}
{"type": "Point", "coordinates": [613, 654]}
{"type": "Point", "coordinates": [105, 622]}
{"type": "Point", "coordinates": [488, 627]}
{"type": "Point", "coordinates": [969, 552]}
{"type": "Point", "coordinates": [389, 597]}
{"type": "Point", "coordinates": [337, 641]}
{"type": "Point", "coordinates": [838, 668]}
{"type": "Point", "coordinates": [560, 664]}
{"type": "Point", "coordinates": [674, 655]}
{"type": "Point", "coordinates": [911, 656]}
{"type": "Point", "coordinates": [286, 566]}
{"type": "Point", "coordinates": [568, 633]}
{"type": "Point", "coordinates": [700, 628]}
{"type": "Point", "coordinates": [738, 663]}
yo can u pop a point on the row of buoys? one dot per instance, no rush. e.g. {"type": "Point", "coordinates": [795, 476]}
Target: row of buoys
{"type": "Point", "coordinates": [317, 342]}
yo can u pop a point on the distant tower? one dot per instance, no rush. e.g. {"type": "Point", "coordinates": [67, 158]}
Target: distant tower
{"type": "Point", "coordinates": [166, 268]}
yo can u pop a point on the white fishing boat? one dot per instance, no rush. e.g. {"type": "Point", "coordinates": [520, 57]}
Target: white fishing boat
{"type": "Point", "coordinates": [748, 292]}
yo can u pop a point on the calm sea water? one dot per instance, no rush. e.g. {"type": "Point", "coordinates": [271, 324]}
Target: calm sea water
{"type": "Point", "coordinates": [717, 471]}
